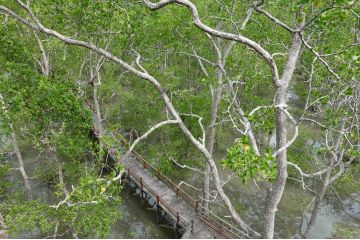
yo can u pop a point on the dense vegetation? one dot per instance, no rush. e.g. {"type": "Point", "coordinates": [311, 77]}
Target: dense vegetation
{"type": "Point", "coordinates": [275, 84]}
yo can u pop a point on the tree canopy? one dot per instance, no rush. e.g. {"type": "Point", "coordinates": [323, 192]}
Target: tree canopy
{"type": "Point", "coordinates": [271, 85]}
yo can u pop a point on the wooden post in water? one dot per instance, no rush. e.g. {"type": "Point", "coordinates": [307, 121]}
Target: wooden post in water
{"type": "Point", "coordinates": [141, 190]}
{"type": "Point", "coordinates": [177, 224]}
{"type": "Point", "coordinates": [158, 211]}
{"type": "Point", "coordinates": [129, 181]}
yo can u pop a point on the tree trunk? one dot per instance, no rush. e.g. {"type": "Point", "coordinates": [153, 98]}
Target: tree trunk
{"type": "Point", "coordinates": [17, 152]}
{"type": "Point", "coordinates": [206, 187]}
{"type": "Point", "coordinates": [165, 98]}
{"type": "Point", "coordinates": [61, 176]}
{"type": "Point", "coordinates": [97, 111]}
{"type": "Point", "coordinates": [58, 164]}
{"type": "Point", "coordinates": [317, 206]}
{"type": "Point", "coordinates": [276, 190]}
{"type": "Point", "coordinates": [327, 181]}
{"type": "Point", "coordinates": [95, 82]}
{"type": "Point", "coordinates": [21, 163]}
{"type": "Point", "coordinates": [211, 136]}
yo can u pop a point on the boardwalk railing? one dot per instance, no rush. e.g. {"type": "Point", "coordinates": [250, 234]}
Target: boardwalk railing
{"type": "Point", "coordinates": [212, 220]}
{"type": "Point", "coordinates": [226, 228]}
{"type": "Point", "coordinates": [160, 176]}
{"type": "Point", "coordinates": [180, 220]}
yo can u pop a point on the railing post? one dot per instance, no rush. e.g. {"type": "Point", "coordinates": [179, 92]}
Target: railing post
{"type": "Point", "coordinates": [192, 225]}
{"type": "Point", "coordinates": [177, 191]}
{"type": "Point", "coordinates": [158, 174]}
{"type": "Point", "coordinates": [196, 205]}
{"type": "Point", "coordinates": [144, 163]}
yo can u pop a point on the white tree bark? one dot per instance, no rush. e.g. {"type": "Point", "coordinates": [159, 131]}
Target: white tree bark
{"type": "Point", "coordinates": [95, 81]}
{"type": "Point", "coordinates": [21, 164]}
{"type": "Point", "coordinates": [327, 181]}
{"type": "Point", "coordinates": [248, 129]}
{"type": "Point", "coordinates": [145, 75]}
{"type": "Point", "coordinates": [221, 56]}
{"type": "Point", "coordinates": [276, 190]}
{"type": "Point", "coordinates": [60, 175]}
{"type": "Point", "coordinates": [216, 97]}
{"type": "Point", "coordinates": [17, 151]}
{"type": "Point", "coordinates": [44, 62]}
{"type": "Point", "coordinates": [98, 112]}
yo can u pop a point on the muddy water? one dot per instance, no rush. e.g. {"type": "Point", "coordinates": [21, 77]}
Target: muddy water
{"type": "Point", "coordinates": [136, 222]}
{"type": "Point", "coordinates": [249, 200]}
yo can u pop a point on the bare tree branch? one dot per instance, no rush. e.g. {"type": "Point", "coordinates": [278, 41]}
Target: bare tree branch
{"type": "Point", "coordinates": [186, 166]}
{"type": "Point", "coordinates": [319, 56]}
{"type": "Point", "coordinates": [274, 19]}
{"type": "Point", "coordinates": [296, 133]}
{"type": "Point", "coordinates": [145, 135]}
{"type": "Point", "coordinates": [239, 38]}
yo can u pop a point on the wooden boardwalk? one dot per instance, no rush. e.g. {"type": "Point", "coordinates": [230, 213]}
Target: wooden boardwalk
{"type": "Point", "coordinates": [186, 213]}
{"type": "Point", "coordinates": [157, 188]}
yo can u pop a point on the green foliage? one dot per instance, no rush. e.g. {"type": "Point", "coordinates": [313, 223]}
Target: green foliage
{"type": "Point", "coordinates": [243, 161]}
{"type": "Point", "coordinates": [343, 231]}
{"type": "Point", "coordinates": [263, 120]}
{"type": "Point", "coordinates": [348, 183]}
{"type": "Point", "coordinates": [27, 216]}
{"type": "Point", "coordinates": [166, 166]}
{"type": "Point", "coordinates": [48, 111]}
{"type": "Point", "coordinates": [47, 108]}
{"type": "Point", "coordinates": [309, 139]}
{"type": "Point", "coordinates": [92, 199]}
{"type": "Point", "coordinates": [4, 185]}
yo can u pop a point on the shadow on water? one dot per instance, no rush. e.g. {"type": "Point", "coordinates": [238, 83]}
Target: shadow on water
{"type": "Point", "coordinates": [139, 218]}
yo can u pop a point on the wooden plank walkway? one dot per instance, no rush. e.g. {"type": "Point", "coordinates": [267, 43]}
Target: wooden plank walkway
{"type": "Point", "coordinates": [199, 222]}
{"type": "Point", "coordinates": [155, 187]}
